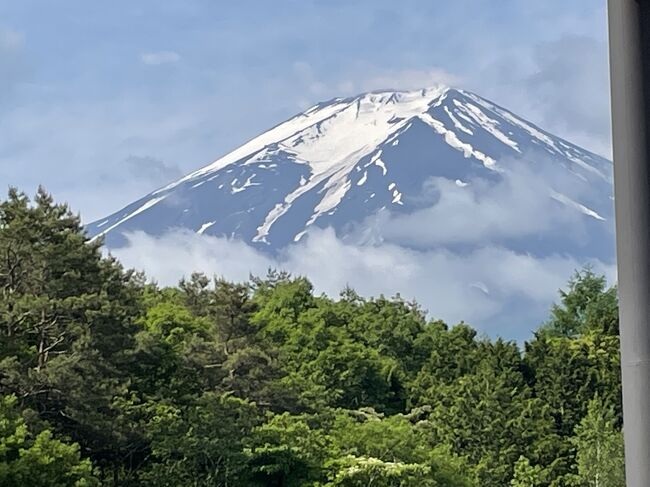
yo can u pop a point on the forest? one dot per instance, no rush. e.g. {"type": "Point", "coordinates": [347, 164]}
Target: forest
{"type": "Point", "coordinates": [107, 378]}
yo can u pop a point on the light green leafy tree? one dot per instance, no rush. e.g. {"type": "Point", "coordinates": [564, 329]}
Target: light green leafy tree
{"type": "Point", "coordinates": [600, 457]}
{"type": "Point", "coordinates": [37, 459]}
{"type": "Point", "coordinates": [200, 444]}
{"type": "Point", "coordinates": [368, 471]}
{"type": "Point", "coordinates": [527, 475]}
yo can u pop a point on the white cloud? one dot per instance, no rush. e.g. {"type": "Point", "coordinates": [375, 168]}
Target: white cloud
{"type": "Point", "coordinates": [474, 287]}
{"type": "Point", "coordinates": [367, 78]}
{"type": "Point", "coordinates": [477, 211]}
{"type": "Point", "coordinates": [150, 168]}
{"type": "Point", "coordinates": [160, 57]}
{"type": "Point", "coordinates": [408, 79]}
{"type": "Point", "coordinates": [561, 84]}
{"type": "Point", "coordinates": [346, 86]}
{"type": "Point", "coordinates": [11, 39]}
{"type": "Point", "coordinates": [88, 160]}
{"type": "Point", "coordinates": [452, 256]}
{"type": "Point", "coordinates": [571, 88]}
{"type": "Point", "coordinates": [12, 63]}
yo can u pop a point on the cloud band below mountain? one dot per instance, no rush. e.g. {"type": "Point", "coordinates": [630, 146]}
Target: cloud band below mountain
{"type": "Point", "coordinates": [482, 287]}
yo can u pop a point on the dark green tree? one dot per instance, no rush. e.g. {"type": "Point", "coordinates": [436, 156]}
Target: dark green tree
{"type": "Point", "coordinates": [68, 322]}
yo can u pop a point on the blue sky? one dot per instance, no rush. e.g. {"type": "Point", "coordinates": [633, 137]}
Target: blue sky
{"type": "Point", "coordinates": [104, 101]}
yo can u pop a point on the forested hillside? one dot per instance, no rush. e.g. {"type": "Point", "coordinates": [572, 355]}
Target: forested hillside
{"type": "Point", "coordinates": [109, 380]}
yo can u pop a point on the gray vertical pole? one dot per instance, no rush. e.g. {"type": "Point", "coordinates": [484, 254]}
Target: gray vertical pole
{"type": "Point", "coordinates": [629, 41]}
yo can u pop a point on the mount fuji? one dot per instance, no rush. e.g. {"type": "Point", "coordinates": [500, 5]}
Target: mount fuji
{"type": "Point", "coordinates": [365, 164]}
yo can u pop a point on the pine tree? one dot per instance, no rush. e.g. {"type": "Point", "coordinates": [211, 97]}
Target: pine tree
{"type": "Point", "coordinates": [68, 324]}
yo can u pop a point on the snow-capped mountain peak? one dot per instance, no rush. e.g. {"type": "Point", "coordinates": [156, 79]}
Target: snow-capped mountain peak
{"type": "Point", "coordinates": [329, 133]}
{"type": "Point", "coordinates": [342, 161]}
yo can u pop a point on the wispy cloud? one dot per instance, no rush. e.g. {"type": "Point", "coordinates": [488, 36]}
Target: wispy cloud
{"type": "Point", "coordinates": [12, 63]}
{"type": "Point", "coordinates": [561, 84]}
{"type": "Point", "coordinates": [160, 57]}
{"type": "Point", "coordinates": [10, 39]}
{"type": "Point", "coordinates": [147, 167]}
{"type": "Point", "coordinates": [477, 211]}
{"type": "Point", "coordinates": [409, 79]}
{"type": "Point", "coordinates": [477, 287]}
{"type": "Point", "coordinates": [571, 87]}
{"type": "Point", "coordinates": [319, 86]}
{"type": "Point", "coordinates": [98, 164]}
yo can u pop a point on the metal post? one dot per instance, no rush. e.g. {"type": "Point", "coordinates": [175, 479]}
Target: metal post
{"type": "Point", "coordinates": [629, 41]}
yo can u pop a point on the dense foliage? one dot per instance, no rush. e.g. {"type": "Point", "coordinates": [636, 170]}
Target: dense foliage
{"type": "Point", "coordinates": [108, 380]}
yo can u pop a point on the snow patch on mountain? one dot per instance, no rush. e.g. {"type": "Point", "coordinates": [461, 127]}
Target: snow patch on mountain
{"type": "Point", "coordinates": [580, 207]}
